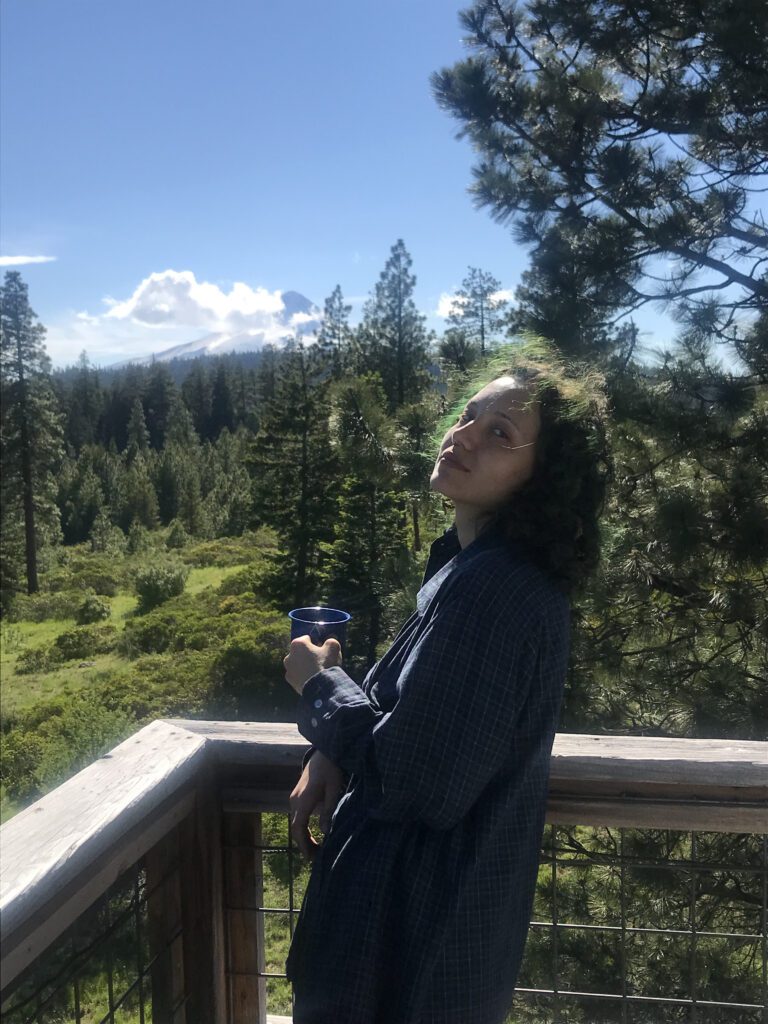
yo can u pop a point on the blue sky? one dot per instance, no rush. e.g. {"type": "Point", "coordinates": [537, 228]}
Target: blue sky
{"type": "Point", "coordinates": [279, 146]}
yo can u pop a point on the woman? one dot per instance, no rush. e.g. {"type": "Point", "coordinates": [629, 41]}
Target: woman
{"type": "Point", "coordinates": [420, 896]}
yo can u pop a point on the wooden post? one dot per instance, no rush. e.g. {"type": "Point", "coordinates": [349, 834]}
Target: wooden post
{"type": "Point", "coordinates": [161, 864]}
{"type": "Point", "coordinates": [244, 894]}
{"type": "Point", "coordinates": [200, 875]}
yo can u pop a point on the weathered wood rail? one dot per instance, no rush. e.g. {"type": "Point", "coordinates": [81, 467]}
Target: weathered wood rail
{"type": "Point", "coordinates": [186, 791]}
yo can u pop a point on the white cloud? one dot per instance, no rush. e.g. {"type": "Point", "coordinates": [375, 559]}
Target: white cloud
{"type": "Point", "coordinates": [302, 318]}
{"type": "Point", "coordinates": [170, 308]}
{"type": "Point", "coordinates": [21, 261]}
{"type": "Point", "coordinates": [176, 297]}
{"type": "Point", "coordinates": [448, 303]}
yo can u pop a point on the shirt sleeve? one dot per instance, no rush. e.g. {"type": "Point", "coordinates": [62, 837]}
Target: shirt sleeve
{"type": "Point", "coordinates": [460, 693]}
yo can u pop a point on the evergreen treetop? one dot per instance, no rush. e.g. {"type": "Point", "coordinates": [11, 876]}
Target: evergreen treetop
{"type": "Point", "coordinates": [630, 138]}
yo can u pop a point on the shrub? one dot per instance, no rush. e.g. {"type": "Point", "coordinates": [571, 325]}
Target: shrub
{"type": "Point", "coordinates": [152, 635]}
{"type": "Point", "coordinates": [22, 753]}
{"type": "Point", "coordinates": [84, 731]}
{"type": "Point", "coordinates": [105, 537]}
{"type": "Point", "coordinates": [173, 685]}
{"type": "Point", "coordinates": [36, 659]}
{"type": "Point", "coordinates": [41, 607]}
{"type": "Point", "coordinates": [189, 623]}
{"type": "Point", "coordinates": [100, 582]}
{"type": "Point", "coordinates": [240, 582]}
{"type": "Point", "coordinates": [85, 572]}
{"type": "Point", "coordinates": [92, 609]}
{"type": "Point", "coordinates": [84, 642]}
{"type": "Point", "coordinates": [177, 536]}
{"type": "Point", "coordinates": [230, 550]}
{"type": "Point", "coordinates": [138, 539]}
{"type": "Point", "coordinates": [247, 677]}
{"type": "Point", "coordinates": [57, 738]}
{"type": "Point", "coordinates": [155, 584]}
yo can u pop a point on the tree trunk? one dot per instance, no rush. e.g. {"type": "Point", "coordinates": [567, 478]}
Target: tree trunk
{"type": "Point", "coordinates": [375, 620]}
{"type": "Point", "coordinates": [30, 534]}
{"type": "Point", "coordinates": [302, 554]}
{"type": "Point", "coordinates": [416, 533]}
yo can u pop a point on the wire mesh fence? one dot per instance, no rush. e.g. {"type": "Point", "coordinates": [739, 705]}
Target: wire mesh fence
{"type": "Point", "coordinates": [99, 972]}
{"type": "Point", "coordinates": [630, 926]}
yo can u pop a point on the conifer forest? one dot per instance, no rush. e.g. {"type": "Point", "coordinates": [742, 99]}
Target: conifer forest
{"type": "Point", "coordinates": [159, 519]}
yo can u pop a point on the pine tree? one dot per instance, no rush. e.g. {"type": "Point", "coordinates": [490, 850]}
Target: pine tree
{"type": "Point", "coordinates": [84, 404]}
{"type": "Point", "coordinates": [478, 311]}
{"type": "Point", "coordinates": [32, 428]}
{"type": "Point", "coordinates": [369, 537]}
{"type": "Point", "coordinates": [159, 400]}
{"type": "Point", "coordinates": [228, 502]}
{"type": "Point", "coordinates": [137, 502]}
{"type": "Point", "coordinates": [244, 396]}
{"type": "Point", "coordinates": [611, 136]}
{"type": "Point", "coordinates": [416, 424]}
{"type": "Point", "coordinates": [138, 435]}
{"type": "Point", "coordinates": [196, 390]}
{"type": "Point", "coordinates": [11, 530]}
{"type": "Point", "coordinates": [456, 351]}
{"type": "Point", "coordinates": [181, 427]}
{"type": "Point", "coordinates": [293, 472]}
{"type": "Point", "coordinates": [128, 385]}
{"type": "Point", "coordinates": [222, 407]}
{"type": "Point", "coordinates": [393, 334]}
{"type": "Point", "coordinates": [80, 497]}
{"type": "Point", "coordinates": [334, 337]}
{"type": "Point", "coordinates": [266, 375]}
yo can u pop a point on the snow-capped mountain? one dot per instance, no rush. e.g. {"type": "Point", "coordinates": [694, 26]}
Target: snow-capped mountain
{"type": "Point", "coordinates": [299, 315]}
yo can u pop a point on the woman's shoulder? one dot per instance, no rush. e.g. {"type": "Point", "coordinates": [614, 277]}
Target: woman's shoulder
{"type": "Point", "coordinates": [501, 576]}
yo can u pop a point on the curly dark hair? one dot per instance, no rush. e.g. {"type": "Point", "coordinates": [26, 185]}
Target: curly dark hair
{"type": "Point", "coordinates": [556, 513]}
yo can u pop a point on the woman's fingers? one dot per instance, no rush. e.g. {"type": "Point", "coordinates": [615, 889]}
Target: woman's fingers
{"type": "Point", "coordinates": [302, 807]}
{"type": "Point", "coordinates": [317, 792]}
{"type": "Point", "coordinates": [331, 799]}
{"type": "Point", "coordinates": [301, 835]}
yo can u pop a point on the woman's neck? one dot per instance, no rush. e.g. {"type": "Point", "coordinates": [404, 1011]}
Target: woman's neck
{"type": "Point", "coordinates": [469, 523]}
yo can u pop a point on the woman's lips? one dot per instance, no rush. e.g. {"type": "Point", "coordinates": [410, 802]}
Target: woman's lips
{"type": "Point", "coordinates": [451, 459]}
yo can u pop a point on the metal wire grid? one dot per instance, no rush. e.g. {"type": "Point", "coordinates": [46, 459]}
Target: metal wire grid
{"type": "Point", "coordinates": [106, 948]}
{"type": "Point", "coordinates": [566, 1002]}
{"type": "Point", "coordinates": [555, 1000]}
{"type": "Point", "coordinates": [257, 906]}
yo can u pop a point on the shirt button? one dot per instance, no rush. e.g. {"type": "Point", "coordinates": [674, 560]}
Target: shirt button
{"type": "Point", "coordinates": [313, 722]}
{"type": "Point", "coordinates": [318, 703]}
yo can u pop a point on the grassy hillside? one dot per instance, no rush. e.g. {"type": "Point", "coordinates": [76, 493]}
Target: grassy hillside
{"type": "Point", "coordinates": [83, 666]}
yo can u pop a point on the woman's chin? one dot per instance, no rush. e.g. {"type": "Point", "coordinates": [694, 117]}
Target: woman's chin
{"type": "Point", "coordinates": [438, 485]}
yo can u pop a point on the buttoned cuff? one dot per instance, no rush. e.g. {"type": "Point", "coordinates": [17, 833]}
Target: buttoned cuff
{"type": "Point", "coordinates": [334, 713]}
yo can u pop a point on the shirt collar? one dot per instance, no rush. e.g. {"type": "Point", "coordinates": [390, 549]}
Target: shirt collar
{"type": "Point", "coordinates": [446, 553]}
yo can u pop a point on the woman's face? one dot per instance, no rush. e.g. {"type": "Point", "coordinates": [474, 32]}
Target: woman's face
{"type": "Point", "coordinates": [489, 453]}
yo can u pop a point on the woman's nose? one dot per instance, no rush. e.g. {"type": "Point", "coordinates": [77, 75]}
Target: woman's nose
{"type": "Point", "coordinates": [460, 432]}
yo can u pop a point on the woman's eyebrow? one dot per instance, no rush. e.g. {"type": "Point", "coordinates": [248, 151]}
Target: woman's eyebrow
{"type": "Point", "coordinates": [498, 412]}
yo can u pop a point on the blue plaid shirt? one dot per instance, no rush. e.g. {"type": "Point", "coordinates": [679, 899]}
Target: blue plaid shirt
{"type": "Point", "coordinates": [420, 897]}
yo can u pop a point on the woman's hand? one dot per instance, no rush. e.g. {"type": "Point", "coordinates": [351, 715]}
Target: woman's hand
{"type": "Point", "coordinates": [306, 658]}
{"type": "Point", "coordinates": [320, 787]}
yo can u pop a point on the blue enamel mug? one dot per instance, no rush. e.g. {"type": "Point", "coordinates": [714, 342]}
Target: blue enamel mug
{"type": "Point", "coordinates": [319, 623]}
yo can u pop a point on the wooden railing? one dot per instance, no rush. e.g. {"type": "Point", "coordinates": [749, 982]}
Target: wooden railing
{"type": "Point", "coordinates": [183, 800]}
